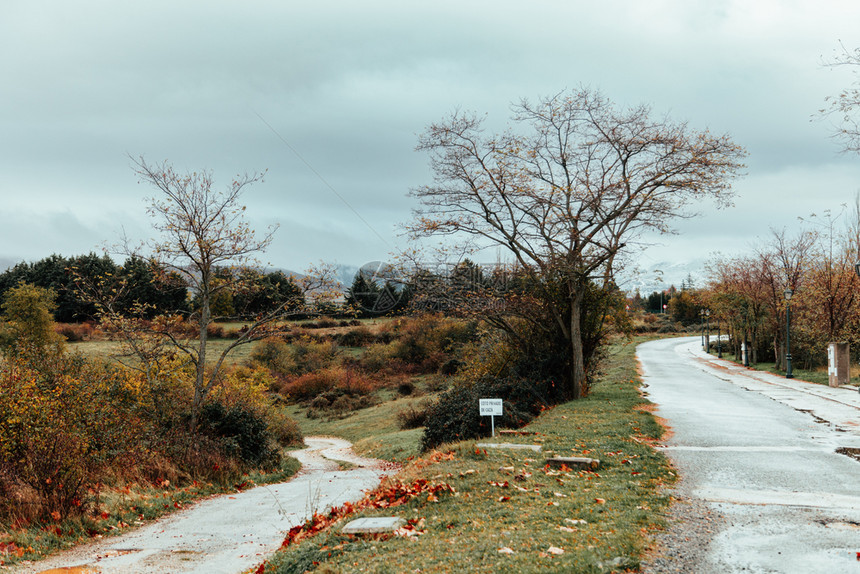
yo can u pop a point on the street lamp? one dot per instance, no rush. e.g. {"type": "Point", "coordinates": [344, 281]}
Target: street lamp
{"type": "Point", "coordinates": [719, 340]}
{"type": "Point", "coordinates": [708, 331]}
{"type": "Point", "coordinates": [702, 326]}
{"type": "Point", "coordinates": [788, 294]}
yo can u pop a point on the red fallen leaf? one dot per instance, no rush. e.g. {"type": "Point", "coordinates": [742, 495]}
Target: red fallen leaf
{"type": "Point", "coordinates": [634, 473]}
{"type": "Point", "coordinates": [504, 498]}
{"type": "Point", "coordinates": [260, 569]}
{"type": "Point", "coordinates": [177, 504]}
{"type": "Point", "coordinates": [105, 515]}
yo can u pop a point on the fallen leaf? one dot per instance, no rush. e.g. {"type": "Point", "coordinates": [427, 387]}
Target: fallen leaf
{"type": "Point", "coordinates": [555, 550]}
{"type": "Point", "coordinates": [505, 550]}
{"type": "Point", "coordinates": [600, 501]}
{"type": "Point", "coordinates": [566, 529]}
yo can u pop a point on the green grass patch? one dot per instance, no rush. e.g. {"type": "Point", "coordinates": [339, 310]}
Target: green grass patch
{"type": "Point", "coordinates": [541, 519]}
{"type": "Point", "coordinates": [374, 431]}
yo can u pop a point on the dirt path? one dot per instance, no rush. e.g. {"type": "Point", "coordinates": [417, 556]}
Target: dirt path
{"type": "Point", "coordinates": [230, 533]}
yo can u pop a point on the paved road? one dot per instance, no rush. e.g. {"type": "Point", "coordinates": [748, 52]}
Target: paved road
{"type": "Point", "coordinates": [760, 451]}
{"type": "Point", "coordinates": [230, 534]}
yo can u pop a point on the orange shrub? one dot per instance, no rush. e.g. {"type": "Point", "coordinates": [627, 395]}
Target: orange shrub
{"type": "Point", "coordinates": [346, 381]}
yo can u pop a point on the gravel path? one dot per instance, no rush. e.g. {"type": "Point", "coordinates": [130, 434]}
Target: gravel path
{"type": "Point", "coordinates": [230, 533]}
{"type": "Point", "coordinates": [681, 548]}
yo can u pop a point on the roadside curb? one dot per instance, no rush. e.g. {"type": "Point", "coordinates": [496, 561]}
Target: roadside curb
{"type": "Point", "coordinates": [839, 406]}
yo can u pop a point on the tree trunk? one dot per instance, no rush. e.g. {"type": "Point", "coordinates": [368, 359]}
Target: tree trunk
{"type": "Point", "coordinates": [577, 362]}
{"type": "Point", "coordinates": [200, 374]}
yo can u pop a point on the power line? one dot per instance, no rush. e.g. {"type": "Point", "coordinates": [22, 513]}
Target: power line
{"type": "Point", "coordinates": [322, 179]}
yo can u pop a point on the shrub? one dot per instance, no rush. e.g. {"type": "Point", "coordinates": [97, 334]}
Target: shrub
{"type": "Point", "coordinates": [321, 402]}
{"type": "Point", "coordinates": [426, 342]}
{"type": "Point", "coordinates": [358, 337]}
{"type": "Point", "coordinates": [450, 367]}
{"type": "Point", "coordinates": [310, 385]}
{"type": "Point", "coordinates": [75, 332]}
{"type": "Point", "coordinates": [329, 383]}
{"type": "Point", "coordinates": [241, 433]}
{"type": "Point", "coordinates": [413, 416]}
{"type": "Point", "coordinates": [405, 388]}
{"type": "Point", "coordinates": [322, 323]}
{"type": "Point", "coordinates": [63, 430]}
{"type": "Point", "coordinates": [455, 415]}
{"type": "Point", "coordinates": [301, 356]}
{"type": "Point", "coordinates": [214, 331]}
{"type": "Point", "coordinates": [377, 357]}
{"type": "Point", "coordinates": [344, 403]}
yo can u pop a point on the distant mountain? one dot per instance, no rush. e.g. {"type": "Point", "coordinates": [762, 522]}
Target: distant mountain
{"type": "Point", "coordinates": [343, 273]}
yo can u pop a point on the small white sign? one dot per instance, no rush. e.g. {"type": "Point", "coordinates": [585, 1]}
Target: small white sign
{"type": "Point", "coordinates": [490, 407]}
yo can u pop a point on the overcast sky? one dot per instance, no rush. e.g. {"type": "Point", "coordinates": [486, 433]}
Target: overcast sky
{"type": "Point", "coordinates": [246, 86]}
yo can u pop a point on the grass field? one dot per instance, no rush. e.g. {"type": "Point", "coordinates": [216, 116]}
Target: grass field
{"type": "Point", "coordinates": [504, 510]}
{"type": "Point", "coordinates": [109, 350]}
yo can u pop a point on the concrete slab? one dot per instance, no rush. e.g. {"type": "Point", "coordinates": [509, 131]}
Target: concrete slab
{"type": "Point", "coordinates": [510, 445]}
{"type": "Point", "coordinates": [374, 525]}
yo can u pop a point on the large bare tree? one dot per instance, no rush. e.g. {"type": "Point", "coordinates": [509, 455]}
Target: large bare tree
{"type": "Point", "coordinates": [566, 189]}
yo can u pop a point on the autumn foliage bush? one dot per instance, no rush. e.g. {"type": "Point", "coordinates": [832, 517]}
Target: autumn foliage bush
{"type": "Point", "coordinates": [69, 425]}
{"type": "Point", "coordinates": [75, 332]}
{"type": "Point", "coordinates": [347, 381]}
{"type": "Point", "coordinates": [64, 432]}
{"type": "Point", "coordinates": [428, 341]}
{"type": "Point", "coordinates": [297, 358]}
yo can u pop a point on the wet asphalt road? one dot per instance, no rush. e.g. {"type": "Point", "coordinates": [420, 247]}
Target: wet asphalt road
{"type": "Point", "coordinates": [790, 502]}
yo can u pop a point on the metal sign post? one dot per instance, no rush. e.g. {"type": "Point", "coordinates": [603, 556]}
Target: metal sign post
{"type": "Point", "coordinates": [491, 408]}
